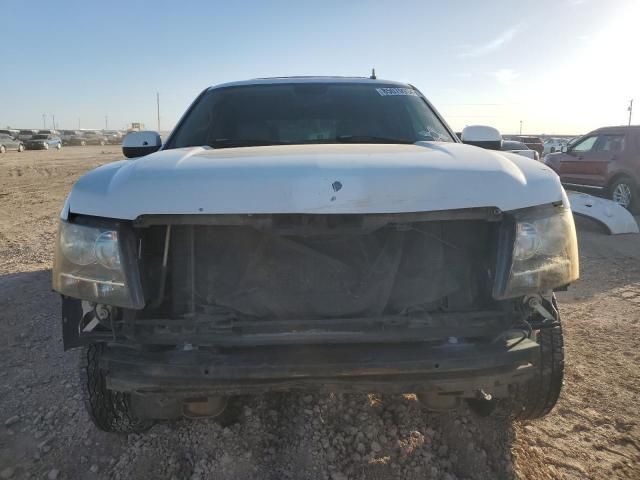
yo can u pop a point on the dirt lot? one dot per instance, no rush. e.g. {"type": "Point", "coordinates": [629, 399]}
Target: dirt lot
{"type": "Point", "coordinates": [594, 432]}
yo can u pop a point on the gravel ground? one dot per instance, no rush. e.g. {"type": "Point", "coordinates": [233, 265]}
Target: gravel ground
{"type": "Point", "coordinates": [594, 432]}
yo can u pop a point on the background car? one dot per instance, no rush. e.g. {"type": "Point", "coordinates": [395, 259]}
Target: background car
{"type": "Point", "coordinates": [93, 138]}
{"type": "Point", "coordinates": [24, 135]}
{"type": "Point", "coordinates": [534, 143]}
{"type": "Point", "coordinates": [606, 160]}
{"type": "Point", "coordinates": [7, 142]}
{"type": "Point", "coordinates": [65, 135]}
{"type": "Point", "coordinates": [11, 132]}
{"type": "Point", "coordinates": [519, 148]}
{"type": "Point", "coordinates": [113, 137]}
{"type": "Point", "coordinates": [552, 145]}
{"type": "Point", "coordinates": [42, 141]}
{"type": "Point", "coordinates": [48, 131]}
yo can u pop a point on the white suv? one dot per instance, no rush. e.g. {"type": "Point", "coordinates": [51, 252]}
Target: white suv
{"type": "Point", "coordinates": [313, 233]}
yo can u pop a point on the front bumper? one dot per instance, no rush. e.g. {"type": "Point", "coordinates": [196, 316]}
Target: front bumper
{"type": "Point", "coordinates": [458, 370]}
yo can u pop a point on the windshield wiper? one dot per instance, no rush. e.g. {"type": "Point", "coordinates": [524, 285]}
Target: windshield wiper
{"type": "Point", "coordinates": [370, 139]}
{"type": "Point", "coordinates": [233, 142]}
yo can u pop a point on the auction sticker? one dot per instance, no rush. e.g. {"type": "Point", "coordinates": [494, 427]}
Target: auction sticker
{"type": "Point", "coordinates": [396, 91]}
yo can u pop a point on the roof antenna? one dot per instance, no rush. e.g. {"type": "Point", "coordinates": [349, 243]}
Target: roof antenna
{"type": "Point", "coordinates": [373, 74]}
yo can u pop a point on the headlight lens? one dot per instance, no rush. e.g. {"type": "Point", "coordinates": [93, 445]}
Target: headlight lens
{"type": "Point", "coordinates": [90, 264]}
{"type": "Point", "coordinates": [544, 255]}
{"type": "Point", "coordinates": [527, 241]}
{"type": "Point", "coordinates": [106, 250]}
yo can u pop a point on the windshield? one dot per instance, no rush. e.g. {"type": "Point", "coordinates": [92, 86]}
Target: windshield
{"type": "Point", "coordinates": [309, 113]}
{"type": "Point", "coordinates": [40, 137]}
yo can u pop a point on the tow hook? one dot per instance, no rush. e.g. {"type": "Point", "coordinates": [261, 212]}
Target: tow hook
{"type": "Point", "coordinates": [482, 395]}
{"type": "Point", "coordinates": [535, 303]}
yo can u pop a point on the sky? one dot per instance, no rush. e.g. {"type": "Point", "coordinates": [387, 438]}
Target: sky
{"type": "Point", "coordinates": [559, 66]}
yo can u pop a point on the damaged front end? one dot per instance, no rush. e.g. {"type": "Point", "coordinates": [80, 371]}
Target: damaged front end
{"type": "Point", "coordinates": [445, 303]}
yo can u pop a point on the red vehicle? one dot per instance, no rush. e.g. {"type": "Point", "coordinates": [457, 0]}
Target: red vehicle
{"type": "Point", "coordinates": [606, 160]}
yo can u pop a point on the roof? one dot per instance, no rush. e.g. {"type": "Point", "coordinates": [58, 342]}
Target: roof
{"type": "Point", "coordinates": [618, 127]}
{"type": "Point", "coordinates": [284, 80]}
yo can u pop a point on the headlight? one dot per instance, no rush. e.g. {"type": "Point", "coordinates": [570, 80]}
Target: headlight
{"type": "Point", "coordinates": [543, 253]}
{"type": "Point", "coordinates": [97, 263]}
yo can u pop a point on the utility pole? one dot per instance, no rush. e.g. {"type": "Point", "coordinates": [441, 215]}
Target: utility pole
{"type": "Point", "coordinates": [158, 104]}
{"type": "Point", "coordinates": [630, 109]}
{"type": "Point", "coordinates": [44, 120]}
{"type": "Point", "coordinates": [53, 116]}
{"type": "Point", "coordinates": [106, 122]}
{"type": "Point", "coordinates": [520, 127]}
{"type": "Point", "coordinates": [78, 123]}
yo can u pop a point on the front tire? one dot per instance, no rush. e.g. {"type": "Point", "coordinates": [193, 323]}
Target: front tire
{"type": "Point", "coordinates": [2, 149]}
{"type": "Point", "coordinates": [536, 397]}
{"type": "Point", "coordinates": [59, 146]}
{"type": "Point", "coordinates": [624, 192]}
{"type": "Point", "coordinates": [109, 410]}
{"type": "Point", "coordinates": [21, 148]}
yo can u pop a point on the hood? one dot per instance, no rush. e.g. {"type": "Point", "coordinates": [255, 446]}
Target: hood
{"type": "Point", "coordinates": [330, 178]}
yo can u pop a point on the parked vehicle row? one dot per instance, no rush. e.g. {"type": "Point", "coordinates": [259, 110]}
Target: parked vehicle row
{"type": "Point", "coordinates": [69, 137]}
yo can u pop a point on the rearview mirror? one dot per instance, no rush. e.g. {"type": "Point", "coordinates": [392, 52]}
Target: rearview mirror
{"type": "Point", "coordinates": [482, 136]}
{"type": "Point", "coordinates": [563, 148]}
{"type": "Point", "coordinates": [139, 144]}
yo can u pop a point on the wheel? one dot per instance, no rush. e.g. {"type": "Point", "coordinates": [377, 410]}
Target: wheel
{"type": "Point", "coordinates": [101, 143]}
{"type": "Point", "coordinates": [21, 148]}
{"type": "Point", "coordinates": [109, 410]}
{"type": "Point", "coordinates": [46, 146]}
{"type": "Point", "coordinates": [537, 397]}
{"type": "Point", "coordinates": [624, 192]}
{"type": "Point", "coordinates": [59, 146]}
{"type": "Point", "coordinates": [2, 149]}
{"type": "Point", "coordinates": [83, 143]}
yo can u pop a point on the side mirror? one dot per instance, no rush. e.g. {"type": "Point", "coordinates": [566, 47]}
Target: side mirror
{"type": "Point", "coordinates": [564, 149]}
{"type": "Point", "coordinates": [139, 144]}
{"type": "Point", "coordinates": [482, 136]}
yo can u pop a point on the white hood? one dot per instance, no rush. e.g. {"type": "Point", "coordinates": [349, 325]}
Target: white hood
{"type": "Point", "coordinates": [318, 178]}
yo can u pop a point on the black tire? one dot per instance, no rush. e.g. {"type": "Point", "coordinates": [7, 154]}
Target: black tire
{"type": "Point", "coordinates": [628, 183]}
{"type": "Point", "coordinates": [537, 397]}
{"type": "Point", "coordinates": [109, 410]}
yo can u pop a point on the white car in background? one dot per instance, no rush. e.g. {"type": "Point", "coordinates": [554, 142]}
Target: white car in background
{"type": "Point", "coordinates": [552, 145]}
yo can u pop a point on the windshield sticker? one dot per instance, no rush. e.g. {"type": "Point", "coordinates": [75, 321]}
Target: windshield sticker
{"type": "Point", "coordinates": [396, 91]}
